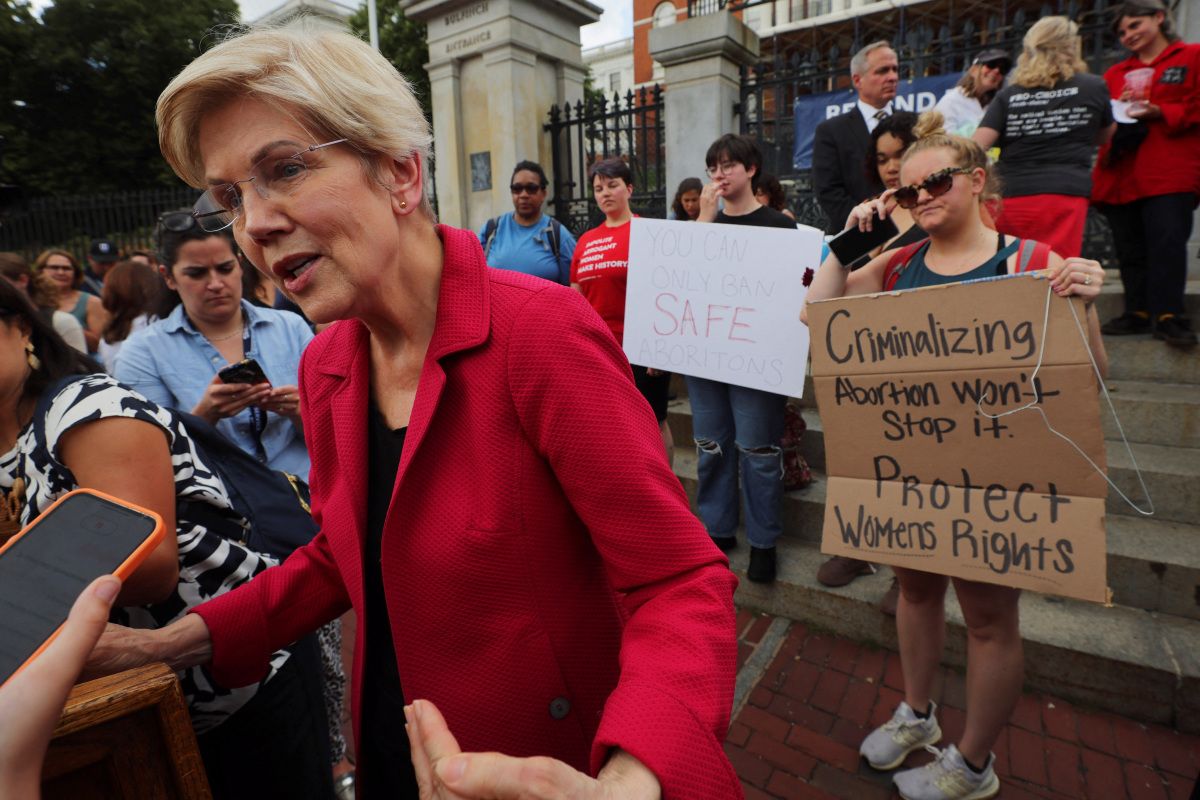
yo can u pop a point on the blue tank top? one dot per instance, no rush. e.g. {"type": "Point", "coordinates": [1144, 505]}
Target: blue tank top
{"type": "Point", "coordinates": [916, 274]}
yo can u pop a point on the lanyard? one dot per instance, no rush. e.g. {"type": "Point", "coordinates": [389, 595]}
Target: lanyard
{"type": "Point", "coordinates": [258, 416]}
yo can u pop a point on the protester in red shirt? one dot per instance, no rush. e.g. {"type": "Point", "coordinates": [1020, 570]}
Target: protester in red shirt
{"type": "Point", "coordinates": [599, 270]}
{"type": "Point", "coordinates": [1147, 182]}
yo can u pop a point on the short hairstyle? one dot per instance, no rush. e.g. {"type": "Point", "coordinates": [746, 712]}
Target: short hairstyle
{"type": "Point", "coordinates": [611, 168]}
{"type": "Point", "coordinates": [901, 125]}
{"type": "Point", "coordinates": [686, 185]}
{"type": "Point", "coordinates": [131, 289]}
{"type": "Point", "coordinates": [57, 358]}
{"type": "Point", "coordinates": [530, 166]}
{"type": "Point", "coordinates": [769, 185]}
{"type": "Point", "coordinates": [858, 63]}
{"type": "Point", "coordinates": [39, 264]}
{"type": "Point", "coordinates": [334, 84]}
{"type": "Point", "coordinates": [735, 147]}
{"type": "Point", "coordinates": [930, 132]}
{"type": "Point", "coordinates": [1144, 8]}
{"type": "Point", "coordinates": [1050, 54]}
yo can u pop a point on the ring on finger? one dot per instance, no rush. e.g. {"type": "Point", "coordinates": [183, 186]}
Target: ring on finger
{"type": "Point", "coordinates": [1087, 281]}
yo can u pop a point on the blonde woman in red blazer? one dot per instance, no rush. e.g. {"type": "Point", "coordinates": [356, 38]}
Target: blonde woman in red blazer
{"type": "Point", "coordinates": [541, 583]}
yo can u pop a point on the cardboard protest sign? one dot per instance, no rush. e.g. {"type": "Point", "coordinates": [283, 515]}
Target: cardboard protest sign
{"type": "Point", "coordinates": [720, 301]}
{"type": "Point", "coordinates": [918, 478]}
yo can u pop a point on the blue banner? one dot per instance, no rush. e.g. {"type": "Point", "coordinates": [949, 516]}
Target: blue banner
{"type": "Point", "coordinates": [810, 111]}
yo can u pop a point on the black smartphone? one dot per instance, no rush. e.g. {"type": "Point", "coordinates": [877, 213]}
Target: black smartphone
{"type": "Point", "coordinates": [245, 371]}
{"type": "Point", "coordinates": [84, 535]}
{"type": "Point", "coordinates": [852, 244]}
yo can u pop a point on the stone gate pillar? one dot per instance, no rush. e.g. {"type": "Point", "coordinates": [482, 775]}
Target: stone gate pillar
{"type": "Point", "coordinates": [495, 68]}
{"type": "Point", "coordinates": [700, 59]}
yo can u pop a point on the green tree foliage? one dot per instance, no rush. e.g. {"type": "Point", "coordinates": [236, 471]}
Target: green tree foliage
{"type": "Point", "coordinates": [402, 41]}
{"type": "Point", "coordinates": [86, 78]}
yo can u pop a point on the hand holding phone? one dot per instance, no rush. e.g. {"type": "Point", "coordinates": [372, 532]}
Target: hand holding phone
{"type": "Point", "coordinates": [245, 371]}
{"type": "Point", "coordinates": [855, 242]}
{"type": "Point", "coordinates": [83, 535]}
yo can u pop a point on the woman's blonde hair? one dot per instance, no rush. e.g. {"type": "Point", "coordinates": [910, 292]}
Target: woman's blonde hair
{"type": "Point", "coordinates": [334, 84]}
{"type": "Point", "coordinates": [1050, 54]}
{"type": "Point", "coordinates": [931, 134]}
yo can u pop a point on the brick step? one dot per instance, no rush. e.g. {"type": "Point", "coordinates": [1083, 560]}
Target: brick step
{"type": "Point", "coordinates": [1170, 473]}
{"type": "Point", "coordinates": [1152, 564]}
{"type": "Point", "coordinates": [1129, 661]}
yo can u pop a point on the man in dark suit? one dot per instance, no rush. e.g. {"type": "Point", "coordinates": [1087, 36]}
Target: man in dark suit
{"type": "Point", "coordinates": [840, 143]}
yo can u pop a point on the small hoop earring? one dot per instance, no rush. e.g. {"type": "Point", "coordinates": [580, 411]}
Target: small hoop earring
{"type": "Point", "coordinates": [35, 363]}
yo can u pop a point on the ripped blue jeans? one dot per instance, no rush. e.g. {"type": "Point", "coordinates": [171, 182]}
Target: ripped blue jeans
{"type": "Point", "coordinates": [738, 430]}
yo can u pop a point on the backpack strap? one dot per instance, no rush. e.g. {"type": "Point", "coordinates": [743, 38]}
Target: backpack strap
{"type": "Point", "coordinates": [899, 262]}
{"type": "Point", "coordinates": [1032, 256]}
{"type": "Point", "coordinates": [489, 234]}
{"type": "Point", "coordinates": [555, 236]}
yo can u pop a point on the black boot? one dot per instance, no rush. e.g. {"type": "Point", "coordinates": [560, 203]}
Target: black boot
{"type": "Point", "coordinates": [762, 565]}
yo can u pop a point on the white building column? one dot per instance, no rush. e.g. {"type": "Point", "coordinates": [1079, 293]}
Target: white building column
{"type": "Point", "coordinates": [700, 58]}
{"type": "Point", "coordinates": [496, 67]}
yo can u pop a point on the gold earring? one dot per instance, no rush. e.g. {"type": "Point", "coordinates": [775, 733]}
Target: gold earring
{"type": "Point", "coordinates": [403, 204]}
{"type": "Point", "coordinates": [35, 363]}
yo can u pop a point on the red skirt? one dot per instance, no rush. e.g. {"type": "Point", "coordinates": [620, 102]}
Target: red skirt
{"type": "Point", "coordinates": [1056, 219]}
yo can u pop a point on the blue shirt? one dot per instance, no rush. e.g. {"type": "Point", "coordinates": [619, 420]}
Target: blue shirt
{"type": "Point", "coordinates": [527, 248]}
{"type": "Point", "coordinates": [171, 364]}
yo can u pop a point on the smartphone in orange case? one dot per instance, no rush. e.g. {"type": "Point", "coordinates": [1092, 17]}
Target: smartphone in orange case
{"type": "Point", "coordinates": [83, 535]}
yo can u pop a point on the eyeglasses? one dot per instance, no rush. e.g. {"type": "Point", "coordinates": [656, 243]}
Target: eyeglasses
{"type": "Point", "coordinates": [58, 268]}
{"type": "Point", "coordinates": [526, 188]}
{"type": "Point", "coordinates": [936, 185]}
{"type": "Point", "coordinates": [724, 168]}
{"type": "Point", "coordinates": [221, 205]}
{"type": "Point", "coordinates": [178, 221]}
{"type": "Point", "coordinates": [1000, 66]}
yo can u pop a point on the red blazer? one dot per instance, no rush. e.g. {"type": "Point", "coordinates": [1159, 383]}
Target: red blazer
{"type": "Point", "coordinates": [538, 547]}
{"type": "Point", "coordinates": [1168, 159]}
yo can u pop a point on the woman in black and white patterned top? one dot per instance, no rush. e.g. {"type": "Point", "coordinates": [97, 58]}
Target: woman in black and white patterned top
{"type": "Point", "coordinates": [62, 426]}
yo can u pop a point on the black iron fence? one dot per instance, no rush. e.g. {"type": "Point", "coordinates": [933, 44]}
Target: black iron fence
{"type": "Point", "coordinates": [70, 223]}
{"type": "Point", "coordinates": [630, 128]}
{"type": "Point", "coordinates": [930, 39]}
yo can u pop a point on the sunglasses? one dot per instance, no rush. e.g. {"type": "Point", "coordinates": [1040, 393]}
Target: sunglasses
{"type": "Point", "coordinates": [177, 221]}
{"type": "Point", "coordinates": [936, 185]}
{"type": "Point", "coordinates": [1001, 66]}
{"type": "Point", "coordinates": [525, 188]}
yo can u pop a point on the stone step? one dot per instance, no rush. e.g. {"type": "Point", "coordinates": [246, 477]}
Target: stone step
{"type": "Point", "coordinates": [1153, 564]}
{"type": "Point", "coordinates": [1144, 358]}
{"type": "Point", "coordinates": [1154, 413]}
{"type": "Point", "coordinates": [1136, 663]}
{"type": "Point", "coordinates": [1171, 473]}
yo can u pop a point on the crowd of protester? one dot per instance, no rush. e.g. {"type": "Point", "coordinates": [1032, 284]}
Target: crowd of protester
{"type": "Point", "coordinates": [442, 420]}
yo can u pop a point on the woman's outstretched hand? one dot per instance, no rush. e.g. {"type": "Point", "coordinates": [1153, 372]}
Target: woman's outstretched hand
{"type": "Point", "coordinates": [32, 701]}
{"type": "Point", "coordinates": [444, 772]}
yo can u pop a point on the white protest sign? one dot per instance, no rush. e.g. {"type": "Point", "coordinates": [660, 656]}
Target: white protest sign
{"type": "Point", "coordinates": [720, 301]}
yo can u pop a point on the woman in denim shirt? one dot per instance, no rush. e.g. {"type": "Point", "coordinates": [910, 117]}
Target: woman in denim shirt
{"type": "Point", "coordinates": [175, 361]}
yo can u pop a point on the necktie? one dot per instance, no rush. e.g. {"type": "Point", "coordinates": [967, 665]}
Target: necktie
{"type": "Point", "coordinates": [881, 115]}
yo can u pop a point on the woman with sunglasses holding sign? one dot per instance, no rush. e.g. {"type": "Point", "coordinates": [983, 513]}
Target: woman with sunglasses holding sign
{"type": "Point", "coordinates": [1048, 123]}
{"type": "Point", "coordinates": [944, 180]}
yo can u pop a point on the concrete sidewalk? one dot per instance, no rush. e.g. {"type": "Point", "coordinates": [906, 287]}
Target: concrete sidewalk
{"type": "Point", "coordinates": [806, 699]}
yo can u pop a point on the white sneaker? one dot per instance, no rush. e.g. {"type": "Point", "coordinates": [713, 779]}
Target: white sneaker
{"type": "Point", "coordinates": [948, 778]}
{"type": "Point", "coordinates": [887, 746]}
